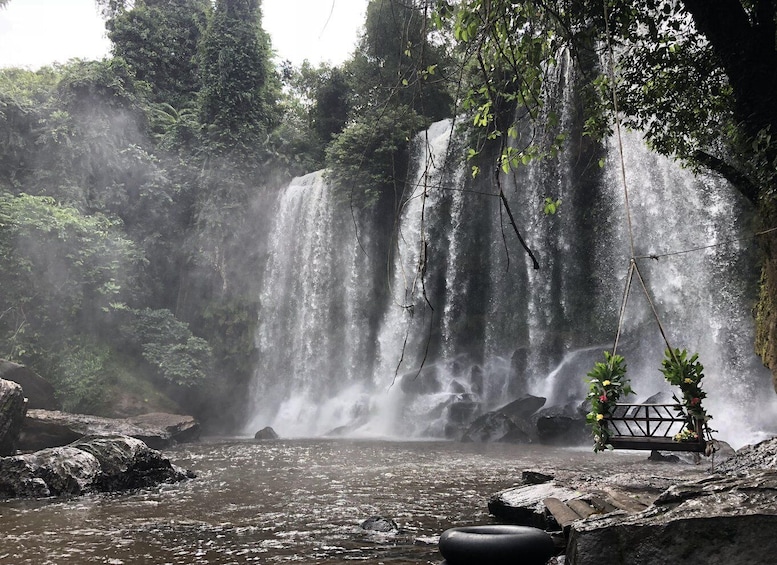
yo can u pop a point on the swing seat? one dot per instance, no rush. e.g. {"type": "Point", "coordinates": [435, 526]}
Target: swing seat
{"type": "Point", "coordinates": [651, 427]}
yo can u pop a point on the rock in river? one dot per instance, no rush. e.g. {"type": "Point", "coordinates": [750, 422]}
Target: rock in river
{"type": "Point", "coordinates": [89, 465]}
{"type": "Point", "coordinates": [52, 428]}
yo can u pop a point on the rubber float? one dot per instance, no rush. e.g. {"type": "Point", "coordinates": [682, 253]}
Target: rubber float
{"type": "Point", "coordinates": [496, 545]}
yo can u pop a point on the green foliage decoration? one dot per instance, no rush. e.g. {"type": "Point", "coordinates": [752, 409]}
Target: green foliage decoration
{"type": "Point", "coordinates": [687, 373]}
{"type": "Point", "coordinates": [606, 384]}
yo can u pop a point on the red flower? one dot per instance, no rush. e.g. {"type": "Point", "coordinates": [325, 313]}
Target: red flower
{"type": "Point", "coordinates": [603, 398]}
{"type": "Point", "coordinates": [695, 400]}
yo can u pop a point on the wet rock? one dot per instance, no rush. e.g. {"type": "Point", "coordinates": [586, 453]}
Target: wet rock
{"type": "Point", "coordinates": [12, 411]}
{"type": "Point", "coordinates": [38, 391]}
{"type": "Point", "coordinates": [460, 412]}
{"type": "Point", "coordinates": [379, 524]}
{"type": "Point", "coordinates": [456, 387]}
{"type": "Point", "coordinates": [495, 427]}
{"type": "Point", "coordinates": [523, 505]}
{"type": "Point", "coordinates": [663, 457]}
{"type": "Point", "coordinates": [163, 429]}
{"type": "Point", "coordinates": [661, 397]}
{"type": "Point", "coordinates": [424, 382]}
{"type": "Point", "coordinates": [50, 472]}
{"type": "Point", "coordinates": [523, 407]}
{"type": "Point", "coordinates": [52, 428]}
{"type": "Point", "coordinates": [128, 463]}
{"type": "Point", "coordinates": [266, 433]}
{"type": "Point", "coordinates": [530, 477]}
{"type": "Point", "coordinates": [762, 455]}
{"type": "Point", "coordinates": [91, 464]}
{"type": "Point", "coordinates": [511, 423]}
{"type": "Point", "coordinates": [476, 379]}
{"type": "Point", "coordinates": [562, 425]}
{"type": "Point", "coordinates": [715, 521]}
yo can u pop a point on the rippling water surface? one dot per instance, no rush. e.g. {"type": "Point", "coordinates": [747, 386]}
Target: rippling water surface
{"type": "Point", "coordinates": [295, 501]}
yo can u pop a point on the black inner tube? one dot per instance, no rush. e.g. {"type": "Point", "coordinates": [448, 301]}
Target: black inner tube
{"type": "Point", "coordinates": [496, 545]}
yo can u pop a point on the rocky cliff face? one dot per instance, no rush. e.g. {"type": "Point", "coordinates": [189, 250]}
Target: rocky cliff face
{"type": "Point", "coordinates": [766, 309]}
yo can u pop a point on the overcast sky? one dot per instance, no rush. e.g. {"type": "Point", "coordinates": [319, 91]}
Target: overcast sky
{"type": "Point", "coordinates": [39, 32]}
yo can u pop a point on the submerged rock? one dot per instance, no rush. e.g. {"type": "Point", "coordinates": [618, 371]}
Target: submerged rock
{"type": "Point", "coordinates": [266, 433]}
{"type": "Point", "coordinates": [52, 428]}
{"type": "Point", "coordinates": [379, 524]}
{"type": "Point", "coordinates": [89, 465]}
{"type": "Point", "coordinates": [12, 410]}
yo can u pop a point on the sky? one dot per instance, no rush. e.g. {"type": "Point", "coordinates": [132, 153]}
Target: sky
{"type": "Point", "coordinates": [39, 32]}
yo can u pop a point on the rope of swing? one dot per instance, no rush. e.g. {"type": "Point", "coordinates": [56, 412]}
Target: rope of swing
{"type": "Point", "coordinates": [633, 268]}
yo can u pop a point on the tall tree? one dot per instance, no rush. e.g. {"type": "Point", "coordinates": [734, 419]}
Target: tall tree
{"type": "Point", "coordinates": [238, 101]}
{"type": "Point", "coordinates": [159, 41]}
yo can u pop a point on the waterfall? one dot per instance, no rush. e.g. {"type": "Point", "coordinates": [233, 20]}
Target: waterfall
{"type": "Point", "coordinates": [467, 325]}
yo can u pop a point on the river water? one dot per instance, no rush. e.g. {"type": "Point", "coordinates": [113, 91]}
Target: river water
{"type": "Point", "coordinates": [292, 501]}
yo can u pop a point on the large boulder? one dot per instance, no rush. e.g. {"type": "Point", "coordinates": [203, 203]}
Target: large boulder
{"type": "Point", "coordinates": [12, 411]}
{"type": "Point", "coordinates": [127, 463]}
{"type": "Point", "coordinates": [50, 472]}
{"type": "Point", "coordinates": [164, 430]}
{"type": "Point", "coordinates": [495, 427]}
{"type": "Point", "coordinates": [715, 521]}
{"type": "Point", "coordinates": [266, 433]}
{"type": "Point", "coordinates": [562, 424]}
{"type": "Point", "coordinates": [52, 428]}
{"type": "Point", "coordinates": [522, 408]}
{"type": "Point", "coordinates": [91, 464]}
{"type": "Point", "coordinates": [511, 423]}
{"type": "Point", "coordinates": [38, 391]}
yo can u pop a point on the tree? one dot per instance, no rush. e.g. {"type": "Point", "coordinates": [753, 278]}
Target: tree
{"type": "Point", "coordinates": [398, 62]}
{"type": "Point", "coordinates": [398, 87]}
{"type": "Point", "coordinates": [62, 273]}
{"type": "Point", "coordinates": [239, 92]}
{"type": "Point", "coordinates": [159, 39]}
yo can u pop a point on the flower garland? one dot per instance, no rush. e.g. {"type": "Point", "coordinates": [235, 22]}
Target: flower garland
{"type": "Point", "coordinates": [687, 374]}
{"type": "Point", "coordinates": [606, 382]}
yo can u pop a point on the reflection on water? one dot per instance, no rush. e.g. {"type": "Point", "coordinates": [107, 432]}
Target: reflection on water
{"type": "Point", "coordinates": [297, 501]}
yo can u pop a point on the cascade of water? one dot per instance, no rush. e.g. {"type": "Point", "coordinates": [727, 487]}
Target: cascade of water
{"type": "Point", "coordinates": [470, 326]}
{"type": "Point", "coordinates": [312, 330]}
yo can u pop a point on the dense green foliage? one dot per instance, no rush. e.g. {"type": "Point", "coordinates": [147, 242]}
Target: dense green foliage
{"type": "Point", "coordinates": [159, 40]}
